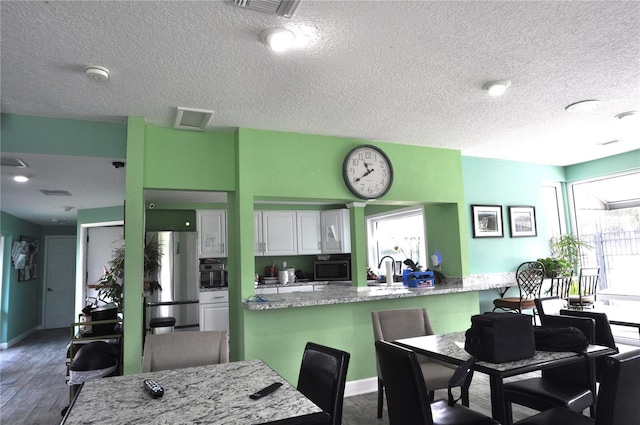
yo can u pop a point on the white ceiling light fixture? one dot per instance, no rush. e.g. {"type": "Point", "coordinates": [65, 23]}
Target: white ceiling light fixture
{"type": "Point", "coordinates": [97, 73]}
{"type": "Point", "coordinates": [192, 119]}
{"type": "Point", "coordinates": [278, 39]}
{"type": "Point", "coordinates": [583, 105]}
{"type": "Point", "coordinates": [21, 178]}
{"type": "Point", "coordinates": [497, 88]}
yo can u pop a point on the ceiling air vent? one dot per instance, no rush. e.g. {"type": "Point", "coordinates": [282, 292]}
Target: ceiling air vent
{"type": "Point", "coordinates": [55, 192]}
{"type": "Point", "coordinates": [12, 162]}
{"type": "Point", "coordinates": [284, 8]}
{"type": "Point", "coordinates": [192, 119]}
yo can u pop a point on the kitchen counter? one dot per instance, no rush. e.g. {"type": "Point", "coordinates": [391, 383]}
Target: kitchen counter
{"type": "Point", "coordinates": [213, 288]}
{"type": "Point", "coordinates": [342, 293]}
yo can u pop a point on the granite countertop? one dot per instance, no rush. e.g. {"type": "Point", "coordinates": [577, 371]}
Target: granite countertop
{"type": "Point", "coordinates": [342, 294]}
{"type": "Point", "coordinates": [216, 394]}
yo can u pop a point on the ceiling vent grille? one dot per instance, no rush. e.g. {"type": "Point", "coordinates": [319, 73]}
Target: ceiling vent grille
{"type": "Point", "coordinates": [284, 8]}
{"type": "Point", "coordinates": [55, 192]}
{"type": "Point", "coordinates": [192, 119]}
{"type": "Point", "coordinates": [6, 161]}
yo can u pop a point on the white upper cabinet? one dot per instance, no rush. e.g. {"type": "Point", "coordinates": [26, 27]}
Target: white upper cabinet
{"type": "Point", "coordinates": [212, 233]}
{"type": "Point", "coordinates": [278, 233]}
{"type": "Point", "coordinates": [308, 232]}
{"type": "Point", "coordinates": [336, 231]}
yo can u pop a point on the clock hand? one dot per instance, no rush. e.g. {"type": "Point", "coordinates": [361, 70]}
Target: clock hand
{"type": "Point", "coordinates": [369, 171]}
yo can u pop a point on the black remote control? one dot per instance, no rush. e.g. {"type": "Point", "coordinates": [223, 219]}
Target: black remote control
{"type": "Point", "coordinates": [152, 387]}
{"type": "Point", "coordinates": [265, 391]}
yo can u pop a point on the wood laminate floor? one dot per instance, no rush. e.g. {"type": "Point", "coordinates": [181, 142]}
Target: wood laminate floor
{"type": "Point", "coordinates": [33, 388]}
{"type": "Point", "coordinates": [32, 379]}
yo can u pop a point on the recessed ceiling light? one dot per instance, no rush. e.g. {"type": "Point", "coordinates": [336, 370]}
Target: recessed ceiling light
{"type": "Point", "coordinates": [497, 88]}
{"type": "Point", "coordinates": [278, 39]}
{"type": "Point", "coordinates": [583, 105]}
{"type": "Point", "coordinates": [627, 115]}
{"type": "Point", "coordinates": [21, 179]}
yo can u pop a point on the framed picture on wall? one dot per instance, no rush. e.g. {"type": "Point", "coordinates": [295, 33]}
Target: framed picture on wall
{"type": "Point", "coordinates": [522, 221]}
{"type": "Point", "coordinates": [487, 221]}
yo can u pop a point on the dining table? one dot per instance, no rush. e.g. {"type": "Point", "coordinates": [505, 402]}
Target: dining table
{"type": "Point", "coordinates": [449, 348]}
{"type": "Point", "coordinates": [212, 394]}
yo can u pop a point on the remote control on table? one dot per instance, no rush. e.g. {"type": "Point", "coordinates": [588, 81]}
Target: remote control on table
{"type": "Point", "coordinates": [265, 391]}
{"type": "Point", "coordinates": [153, 388]}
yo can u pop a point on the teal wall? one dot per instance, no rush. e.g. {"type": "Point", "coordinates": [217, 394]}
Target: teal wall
{"type": "Point", "coordinates": [629, 161]}
{"type": "Point", "coordinates": [21, 307]}
{"type": "Point", "coordinates": [62, 137]}
{"type": "Point", "coordinates": [504, 183]}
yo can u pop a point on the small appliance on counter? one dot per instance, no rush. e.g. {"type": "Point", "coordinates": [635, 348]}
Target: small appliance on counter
{"type": "Point", "coordinates": [213, 274]}
{"type": "Point", "coordinates": [418, 279]}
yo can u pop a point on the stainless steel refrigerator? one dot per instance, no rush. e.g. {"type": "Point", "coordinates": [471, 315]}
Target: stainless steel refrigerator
{"type": "Point", "coordinates": [179, 278]}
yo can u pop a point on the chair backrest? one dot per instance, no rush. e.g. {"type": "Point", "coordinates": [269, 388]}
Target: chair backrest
{"type": "Point", "coordinates": [604, 335]}
{"type": "Point", "coordinates": [588, 281]}
{"type": "Point", "coordinates": [184, 349]}
{"type": "Point", "coordinates": [560, 285]}
{"type": "Point", "coordinates": [390, 325]}
{"type": "Point", "coordinates": [407, 398]}
{"type": "Point", "coordinates": [618, 396]}
{"type": "Point", "coordinates": [529, 277]}
{"type": "Point", "coordinates": [549, 306]}
{"type": "Point", "coordinates": [323, 375]}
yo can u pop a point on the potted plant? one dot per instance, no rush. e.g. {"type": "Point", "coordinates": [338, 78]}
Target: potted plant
{"type": "Point", "coordinates": [565, 252]}
{"type": "Point", "coordinates": [111, 283]}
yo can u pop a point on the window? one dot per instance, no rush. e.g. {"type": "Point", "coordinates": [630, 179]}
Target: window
{"type": "Point", "coordinates": [607, 216]}
{"type": "Point", "coordinates": [553, 210]}
{"type": "Point", "coordinates": [399, 234]}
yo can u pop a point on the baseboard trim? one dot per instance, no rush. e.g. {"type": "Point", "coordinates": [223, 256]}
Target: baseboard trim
{"type": "Point", "coordinates": [362, 386]}
{"type": "Point", "coordinates": [14, 341]}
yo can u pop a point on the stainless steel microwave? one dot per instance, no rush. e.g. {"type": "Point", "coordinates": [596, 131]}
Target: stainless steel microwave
{"type": "Point", "coordinates": [332, 270]}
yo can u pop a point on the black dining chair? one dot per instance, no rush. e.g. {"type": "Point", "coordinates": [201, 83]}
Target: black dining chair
{"type": "Point", "coordinates": [587, 288]}
{"type": "Point", "coordinates": [323, 375]}
{"type": "Point", "coordinates": [617, 399]}
{"type": "Point", "coordinates": [407, 398]}
{"type": "Point", "coordinates": [561, 285]}
{"type": "Point", "coordinates": [529, 277]}
{"type": "Point", "coordinates": [570, 386]}
{"type": "Point", "coordinates": [552, 306]}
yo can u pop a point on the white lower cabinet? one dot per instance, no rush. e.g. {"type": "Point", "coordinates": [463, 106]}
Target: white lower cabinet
{"type": "Point", "coordinates": [214, 311]}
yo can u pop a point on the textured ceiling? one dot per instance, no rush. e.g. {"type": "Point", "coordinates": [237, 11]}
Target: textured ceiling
{"type": "Point", "coordinates": [404, 72]}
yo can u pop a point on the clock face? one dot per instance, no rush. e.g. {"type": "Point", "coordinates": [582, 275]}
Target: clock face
{"type": "Point", "coordinates": [367, 172]}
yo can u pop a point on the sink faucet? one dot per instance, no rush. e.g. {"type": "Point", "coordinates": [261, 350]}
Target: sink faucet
{"type": "Point", "coordinates": [393, 263]}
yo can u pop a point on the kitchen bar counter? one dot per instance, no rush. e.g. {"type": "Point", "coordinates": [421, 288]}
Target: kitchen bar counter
{"type": "Point", "coordinates": [342, 292]}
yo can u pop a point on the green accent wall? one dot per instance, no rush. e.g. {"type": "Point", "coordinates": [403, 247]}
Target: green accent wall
{"type": "Point", "coordinates": [255, 165]}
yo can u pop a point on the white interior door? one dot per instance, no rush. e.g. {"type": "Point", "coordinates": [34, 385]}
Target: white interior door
{"type": "Point", "coordinates": [59, 281]}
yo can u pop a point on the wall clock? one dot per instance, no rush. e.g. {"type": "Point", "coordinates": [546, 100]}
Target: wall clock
{"type": "Point", "coordinates": [367, 172]}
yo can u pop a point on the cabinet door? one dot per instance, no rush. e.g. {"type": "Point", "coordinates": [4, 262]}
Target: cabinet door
{"type": "Point", "coordinates": [336, 234]}
{"type": "Point", "coordinates": [212, 233]}
{"type": "Point", "coordinates": [308, 232]}
{"type": "Point", "coordinates": [279, 232]}
{"type": "Point", "coordinates": [258, 238]}
{"type": "Point", "coordinates": [214, 317]}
